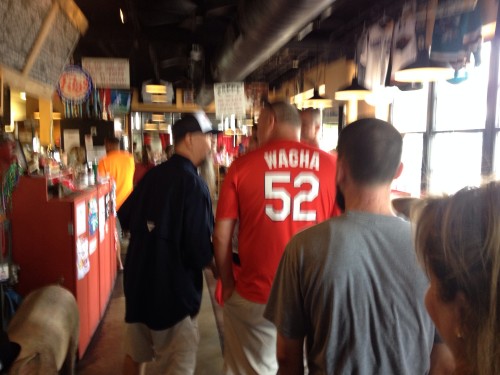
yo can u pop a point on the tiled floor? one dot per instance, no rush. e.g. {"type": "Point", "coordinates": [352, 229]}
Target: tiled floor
{"type": "Point", "coordinates": [105, 354]}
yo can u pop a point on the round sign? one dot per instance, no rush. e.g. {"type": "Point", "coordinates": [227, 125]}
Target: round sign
{"type": "Point", "coordinates": [74, 84]}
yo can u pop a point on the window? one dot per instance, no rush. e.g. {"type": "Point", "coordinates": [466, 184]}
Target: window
{"type": "Point", "coordinates": [409, 181]}
{"type": "Point", "coordinates": [462, 106]}
{"type": "Point", "coordinates": [409, 113]}
{"type": "Point", "coordinates": [410, 118]}
{"type": "Point", "coordinates": [454, 147]}
{"type": "Point", "coordinates": [455, 161]}
{"type": "Point", "coordinates": [330, 129]}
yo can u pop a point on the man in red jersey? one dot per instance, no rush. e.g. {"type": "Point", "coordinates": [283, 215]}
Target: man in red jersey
{"type": "Point", "coordinates": [275, 191]}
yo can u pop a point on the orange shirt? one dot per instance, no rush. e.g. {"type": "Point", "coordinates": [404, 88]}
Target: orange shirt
{"type": "Point", "coordinates": [120, 166]}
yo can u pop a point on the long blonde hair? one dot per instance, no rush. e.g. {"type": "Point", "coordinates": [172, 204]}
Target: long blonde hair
{"type": "Point", "coordinates": [458, 240]}
{"type": "Point", "coordinates": [206, 170]}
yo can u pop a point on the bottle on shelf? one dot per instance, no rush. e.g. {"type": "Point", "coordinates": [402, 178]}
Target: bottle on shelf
{"type": "Point", "coordinates": [94, 170]}
{"type": "Point", "coordinates": [84, 177]}
{"type": "Point", "coordinates": [91, 176]}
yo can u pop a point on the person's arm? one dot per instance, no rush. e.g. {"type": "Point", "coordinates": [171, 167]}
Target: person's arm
{"type": "Point", "coordinates": [290, 354]}
{"type": "Point", "coordinates": [442, 361]}
{"type": "Point", "coordinates": [223, 234]}
{"type": "Point", "coordinates": [101, 168]}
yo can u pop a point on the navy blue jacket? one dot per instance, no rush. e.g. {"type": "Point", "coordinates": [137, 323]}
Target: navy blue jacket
{"type": "Point", "coordinates": [170, 219]}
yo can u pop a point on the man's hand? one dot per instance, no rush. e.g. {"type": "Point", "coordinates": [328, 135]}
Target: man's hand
{"type": "Point", "coordinates": [213, 267]}
{"type": "Point", "coordinates": [227, 292]}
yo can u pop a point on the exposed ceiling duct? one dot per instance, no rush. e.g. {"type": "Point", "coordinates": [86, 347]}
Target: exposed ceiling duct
{"type": "Point", "coordinates": [262, 28]}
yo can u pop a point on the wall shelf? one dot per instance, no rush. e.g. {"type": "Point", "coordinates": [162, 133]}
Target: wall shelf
{"type": "Point", "coordinates": [179, 106]}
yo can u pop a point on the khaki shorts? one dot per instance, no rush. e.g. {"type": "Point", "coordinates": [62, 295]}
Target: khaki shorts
{"type": "Point", "coordinates": [175, 346]}
{"type": "Point", "coordinates": [249, 339]}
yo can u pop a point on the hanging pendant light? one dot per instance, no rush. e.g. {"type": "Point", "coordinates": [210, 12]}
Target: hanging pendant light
{"type": "Point", "coordinates": [424, 70]}
{"type": "Point", "coordinates": [354, 91]}
{"type": "Point", "coordinates": [317, 101]}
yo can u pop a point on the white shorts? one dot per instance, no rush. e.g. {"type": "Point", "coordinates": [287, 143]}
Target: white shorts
{"type": "Point", "coordinates": [175, 346]}
{"type": "Point", "coordinates": [249, 338]}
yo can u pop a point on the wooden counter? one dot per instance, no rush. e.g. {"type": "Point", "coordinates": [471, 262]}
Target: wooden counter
{"type": "Point", "coordinates": [68, 240]}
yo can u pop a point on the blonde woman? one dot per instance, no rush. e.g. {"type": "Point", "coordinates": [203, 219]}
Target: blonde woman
{"type": "Point", "coordinates": [458, 244]}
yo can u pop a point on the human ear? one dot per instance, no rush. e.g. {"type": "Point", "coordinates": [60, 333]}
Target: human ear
{"type": "Point", "coordinates": [398, 171]}
{"type": "Point", "coordinates": [340, 174]}
{"type": "Point", "coordinates": [460, 309]}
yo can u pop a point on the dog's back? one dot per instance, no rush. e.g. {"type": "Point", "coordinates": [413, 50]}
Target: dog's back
{"type": "Point", "coordinates": [46, 325]}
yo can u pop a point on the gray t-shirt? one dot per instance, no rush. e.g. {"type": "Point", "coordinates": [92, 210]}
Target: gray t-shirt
{"type": "Point", "coordinates": [352, 286]}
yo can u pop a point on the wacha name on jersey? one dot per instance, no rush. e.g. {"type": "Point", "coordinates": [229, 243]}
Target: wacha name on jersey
{"type": "Point", "coordinates": [292, 158]}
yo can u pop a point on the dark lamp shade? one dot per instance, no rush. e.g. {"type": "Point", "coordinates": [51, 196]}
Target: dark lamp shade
{"type": "Point", "coordinates": [424, 70]}
{"type": "Point", "coordinates": [317, 101]}
{"type": "Point", "coordinates": [354, 91]}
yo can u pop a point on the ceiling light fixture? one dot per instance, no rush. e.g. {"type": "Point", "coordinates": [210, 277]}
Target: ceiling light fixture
{"type": "Point", "coordinates": [423, 69]}
{"type": "Point", "coordinates": [354, 91]}
{"type": "Point", "coordinates": [122, 17]}
{"type": "Point", "coordinates": [317, 101]}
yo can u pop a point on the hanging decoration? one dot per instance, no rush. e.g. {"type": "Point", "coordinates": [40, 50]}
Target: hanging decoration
{"type": "Point", "coordinates": [74, 88]}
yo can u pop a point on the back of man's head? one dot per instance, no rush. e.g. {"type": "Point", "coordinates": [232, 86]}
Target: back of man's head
{"type": "Point", "coordinates": [112, 144]}
{"type": "Point", "coordinates": [371, 148]}
{"type": "Point", "coordinates": [286, 120]}
{"type": "Point", "coordinates": [286, 114]}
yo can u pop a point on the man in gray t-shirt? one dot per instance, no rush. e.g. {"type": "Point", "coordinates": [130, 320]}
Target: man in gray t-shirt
{"type": "Point", "coordinates": [351, 287]}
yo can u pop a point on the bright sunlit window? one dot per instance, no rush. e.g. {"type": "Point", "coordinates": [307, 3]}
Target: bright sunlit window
{"type": "Point", "coordinates": [455, 161]}
{"type": "Point", "coordinates": [410, 110]}
{"type": "Point", "coordinates": [409, 180]}
{"type": "Point", "coordinates": [462, 105]}
{"type": "Point", "coordinates": [410, 118]}
{"type": "Point", "coordinates": [455, 144]}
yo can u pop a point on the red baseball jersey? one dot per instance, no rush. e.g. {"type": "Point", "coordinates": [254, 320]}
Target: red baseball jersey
{"type": "Point", "coordinates": [275, 191]}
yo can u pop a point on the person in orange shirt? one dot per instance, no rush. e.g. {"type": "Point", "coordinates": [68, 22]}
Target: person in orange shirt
{"type": "Point", "coordinates": [120, 166]}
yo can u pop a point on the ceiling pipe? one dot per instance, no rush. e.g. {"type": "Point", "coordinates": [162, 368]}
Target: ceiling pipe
{"type": "Point", "coordinates": [263, 28]}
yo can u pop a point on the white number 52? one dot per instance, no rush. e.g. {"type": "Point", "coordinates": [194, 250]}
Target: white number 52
{"type": "Point", "coordinates": [290, 204]}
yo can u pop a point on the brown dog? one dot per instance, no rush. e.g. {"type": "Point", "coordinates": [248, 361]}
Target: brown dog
{"type": "Point", "coordinates": [46, 325]}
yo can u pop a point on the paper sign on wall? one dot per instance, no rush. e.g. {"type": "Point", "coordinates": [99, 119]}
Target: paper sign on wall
{"type": "Point", "coordinates": [81, 219]}
{"type": "Point", "coordinates": [82, 257]}
{"type": "Point", "coordinates": [108, 73]}
{"type": "Point", "coordinates": [229, 99]}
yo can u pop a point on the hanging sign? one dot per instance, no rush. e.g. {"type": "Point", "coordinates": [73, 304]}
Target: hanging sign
{"type": "Point", "coordinates": [74, 85]}
{"type": "Point", "coordinates": [108, 73]}
{"type": "Point", "coordinates": [229, 99]}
